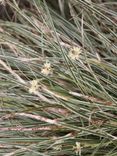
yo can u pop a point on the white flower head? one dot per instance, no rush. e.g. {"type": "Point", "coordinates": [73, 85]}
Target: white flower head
{"type": "Point", "coordinates": [77, 148]}
{"type": "Point", "coordinates": [47, 69]}
{"type": "Point", "coordinates": [74, 53]}
{"type": "Point", "coordinates": [34, 86]}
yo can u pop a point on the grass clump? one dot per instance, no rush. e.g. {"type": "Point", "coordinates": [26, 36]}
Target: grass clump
{"type": "Point", "coordinates": [58, 78]}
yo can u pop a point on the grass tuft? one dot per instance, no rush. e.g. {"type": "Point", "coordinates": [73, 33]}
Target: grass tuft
{"type": "Point", "coordinates": [58, 78]}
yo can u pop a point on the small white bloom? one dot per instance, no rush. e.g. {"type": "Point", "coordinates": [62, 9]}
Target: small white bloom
{"type": "Point", "coordinates": [74, 53]}
{"type": "Point", "coordinates": [34, 86]}
{"type": "Point", "coordinates": [46, 70]}
{"type": "Point", "coordinates": [77, 148]}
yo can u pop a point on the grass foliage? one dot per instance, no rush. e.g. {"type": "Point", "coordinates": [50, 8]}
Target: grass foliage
{"type": "Point", "coordinates": [58, 78]}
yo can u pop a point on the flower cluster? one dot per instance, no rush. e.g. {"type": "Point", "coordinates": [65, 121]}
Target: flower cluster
{"type": "Point", "coordinates": [47, 69]}
{"type": "Point", "coordinates": [34, 86]}
{"type": "Point", "coordinates": [74, 53]}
